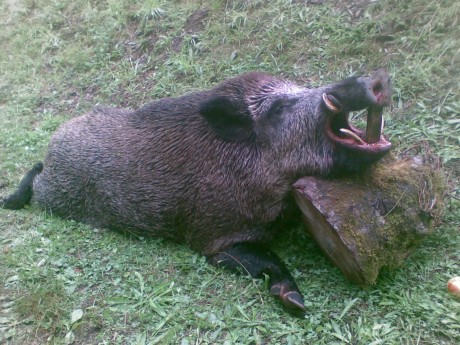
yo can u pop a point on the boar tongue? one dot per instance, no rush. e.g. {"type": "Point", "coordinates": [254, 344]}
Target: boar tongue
{"type": "Point", "coordinates": [374, 124]}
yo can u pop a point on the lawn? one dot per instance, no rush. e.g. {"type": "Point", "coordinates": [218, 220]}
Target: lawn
{"type": "Point", "coordinates": [64, 282]}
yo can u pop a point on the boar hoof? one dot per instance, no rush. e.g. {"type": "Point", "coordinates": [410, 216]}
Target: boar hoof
{"type": "Point", "coordinates": [292, 300]}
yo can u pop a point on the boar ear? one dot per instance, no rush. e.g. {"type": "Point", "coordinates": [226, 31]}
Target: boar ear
{"type": "Point", "coordinates": [229, 119]}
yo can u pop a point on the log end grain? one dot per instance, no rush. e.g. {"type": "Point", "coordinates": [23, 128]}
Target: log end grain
{"type": "Point", "coordinates": [368, 222]}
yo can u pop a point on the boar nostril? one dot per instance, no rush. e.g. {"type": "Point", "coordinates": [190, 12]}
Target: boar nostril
{"type": "Point", "coordinates": [377, 88]}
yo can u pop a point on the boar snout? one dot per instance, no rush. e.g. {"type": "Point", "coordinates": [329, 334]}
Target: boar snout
{"type": "Point", "coordinates": [372, 93]}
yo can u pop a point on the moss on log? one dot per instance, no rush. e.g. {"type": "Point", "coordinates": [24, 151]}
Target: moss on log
{"type": "Point", "coordinates": [375, 220]}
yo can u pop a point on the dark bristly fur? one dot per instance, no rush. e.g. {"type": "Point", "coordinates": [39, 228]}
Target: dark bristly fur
{"type": "Point", "coordinates": [212, 169]}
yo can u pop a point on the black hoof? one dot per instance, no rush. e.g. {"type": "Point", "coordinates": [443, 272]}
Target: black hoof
{"type": "Point", "coordinates": [292, 300]}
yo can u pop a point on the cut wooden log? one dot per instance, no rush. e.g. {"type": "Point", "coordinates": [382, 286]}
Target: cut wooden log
{"type": "Point", "coordinates": [368, 222]}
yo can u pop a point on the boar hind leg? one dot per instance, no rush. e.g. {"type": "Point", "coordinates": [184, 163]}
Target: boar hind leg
{"type": "Point", "coordinates": [258, 261]}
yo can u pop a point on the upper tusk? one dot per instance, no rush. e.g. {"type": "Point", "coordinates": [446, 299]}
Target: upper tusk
{"type": "Point", "coordinates": [329, 104]}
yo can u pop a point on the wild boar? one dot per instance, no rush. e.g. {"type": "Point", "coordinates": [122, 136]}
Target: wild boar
{"type": "Point", "coordinates": [212, 169]}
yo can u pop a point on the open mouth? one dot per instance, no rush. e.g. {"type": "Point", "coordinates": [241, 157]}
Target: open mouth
{"type": "Point", "coordinates": [343, 133]}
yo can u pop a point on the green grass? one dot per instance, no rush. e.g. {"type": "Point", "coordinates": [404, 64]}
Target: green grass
{"type": "Point", "coordinates": [60, 58]}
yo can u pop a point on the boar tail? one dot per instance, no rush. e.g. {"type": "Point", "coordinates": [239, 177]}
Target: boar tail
{"type": "Point", "coordinates": [24, 193]}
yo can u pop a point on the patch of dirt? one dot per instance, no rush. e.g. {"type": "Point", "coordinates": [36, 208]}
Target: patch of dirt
{"type": "Point", "coordinates": [176, 44]}
{"type": "Point", "coordinates": [14, 6]}
{"type": "Point", "coordinates": [354, 8]}
{"type": "Point", "coordinates": [312, 2]}
{"type": "Point", "coordinates": [193, 25]}
{"type": "Point", "coordinates": [196, 21]}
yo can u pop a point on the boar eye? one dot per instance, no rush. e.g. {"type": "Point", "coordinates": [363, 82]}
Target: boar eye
{"type": "Point", "coordinates": [279, 106]}
{"type": "Point", "coordinates": [276, 108]}
{"type": "Point", "coordinates": [277, 111]}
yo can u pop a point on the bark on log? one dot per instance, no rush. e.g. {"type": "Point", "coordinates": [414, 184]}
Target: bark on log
{"type": "Point", "coordinates": [365, 223]}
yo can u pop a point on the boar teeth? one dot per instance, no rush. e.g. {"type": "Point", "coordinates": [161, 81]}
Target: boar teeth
{"type": "Point", "coordinates": [330, 105]}
{"type": "Point", "coordinates": [352, 135]}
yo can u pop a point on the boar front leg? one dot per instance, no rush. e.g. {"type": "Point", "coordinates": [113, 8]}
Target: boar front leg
{"type": "Point", "coordinates": [258, 261]}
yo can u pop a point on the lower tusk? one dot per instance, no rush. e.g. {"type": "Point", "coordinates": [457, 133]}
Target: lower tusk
{"type": "Point", "coordinates": [352, 135]}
